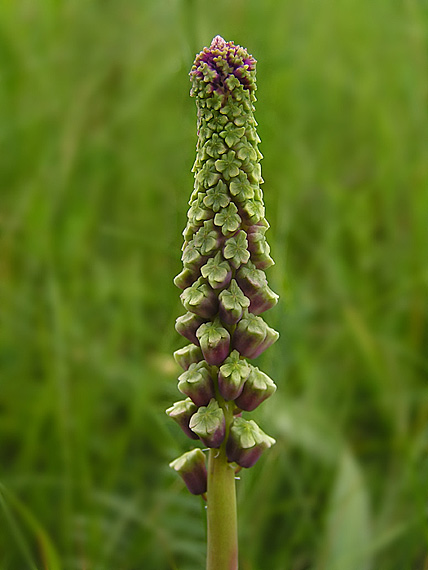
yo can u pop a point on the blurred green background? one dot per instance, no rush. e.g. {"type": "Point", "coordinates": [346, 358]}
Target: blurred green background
{"type": "Point", "coordinates": [98, 136]}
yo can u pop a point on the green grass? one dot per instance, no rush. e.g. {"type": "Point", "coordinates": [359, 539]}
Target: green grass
{"type": "Point", "coordinates": [97, 132]}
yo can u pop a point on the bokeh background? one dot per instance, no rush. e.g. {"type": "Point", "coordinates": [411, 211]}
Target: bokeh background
{"type": "Point", "coordinates": [98, 136]}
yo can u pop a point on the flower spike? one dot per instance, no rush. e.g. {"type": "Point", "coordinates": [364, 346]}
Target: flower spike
{"type": "Point", "coordinates": [224, 291]}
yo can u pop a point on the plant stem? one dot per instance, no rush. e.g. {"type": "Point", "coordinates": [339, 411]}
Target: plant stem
{"type": "Point", "coordinates": [222, 552]}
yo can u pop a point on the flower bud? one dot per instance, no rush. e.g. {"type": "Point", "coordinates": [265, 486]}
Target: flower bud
{"type": "Point", "coordinates": [209, 424]}
{"type": "Point", "coordinates": [253, 283]}
{"type": "Point", "coordinates": [192, 469]}
{"type": "Point", "coordinates": [262, 225]}
{"type": "Point", "coordinates": [192, 257]}
{"type": "Point", "coordinates": [232, 375]}
{"type": "Point", "coordinates": [257, 388]}
{"type": "Point", "coordinates": [208, 239]}
{"type": "Point", "coordinates": [263, 300]}
{"type": "Point", "coordinates": [188, 355]}
{"type": "Point", "coordinates": [185, 278]}
{"type": "Point", "coordinates": [252, 336]}
{"type": "Point", "coordinates": [250, 279]}
{"type": "Point", "coordinates": [235, 249]}
{"type": "Point", "coordinates": [271, 336]}
{"type": "Point", "coordinates": [262, 260]}
{"type": "Point", "coordinates": [215, 342]}
{"type": "Point", "coordinates": [246, 442]}
{"type": "Point", "coordinates": [181, 412]}
{"type": "Point", "coordinates": [197, 383]}
{"type": "Point", "coordinates": [200, 299]}
{"type": "Point", "coordinates": [187, 325]}
{"type": "Point", "coordinates": [217, 271]}
{"type": "Point", "coordinates": [259, 248]}
{"type": "Point", "coordinates": [232, 303]}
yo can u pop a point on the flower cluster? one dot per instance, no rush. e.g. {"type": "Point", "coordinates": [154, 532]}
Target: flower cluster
{"type": "Point", "coordinates": [225, 254]}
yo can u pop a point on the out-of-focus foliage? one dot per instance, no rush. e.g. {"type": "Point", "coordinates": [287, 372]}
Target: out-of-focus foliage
{"type": "Point", "coordinates": [97, 134]}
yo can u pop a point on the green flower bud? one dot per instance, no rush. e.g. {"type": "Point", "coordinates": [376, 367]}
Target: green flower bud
{"type": "Point", "coordinates": [236, 250]}
{"type": "Point", "coordinates": [232, 303]}
{"type": "Point", "coordinates": [188, 355]}
{"type": "Point", "coordinates": [228, 219]}
{"type": "Point", "coordinates": [181, 412]}
{"type": "Point", "coordinates": [215, 342]}
{"type": "Point", "coordinates": [217, 271]}
{"type": "Point", "coordinates": [259, 248]}
{"type": "Point", "coordinates": [187, 325]}
{"type": "Point", "coordinates": [209, 424]}
{"type": "Point", "coordinates": [217, 198]}
{"type": "Point", "coordinates": [207, 238]}
{"type": "Point", "coordinates": [252, 336]}
{"type": "Point", "coordinates": [200, 299]}
{"type": "Point", "coordinates": [196, 382]}
{"type": "Point", "coordinates": [246, 442]}
{"type": "Point", "coordinates": [232, 375]}
{"type": "Point", "coordinates": [253, 283]}
{"type": "Point", "coordinates": [257, 388]}
{"type": "Point", "coordinates": [192, 469]}
{"type": "Point", "coordinates": [192, 257]}
{"type": "Point", "coordinates": [185, 278]}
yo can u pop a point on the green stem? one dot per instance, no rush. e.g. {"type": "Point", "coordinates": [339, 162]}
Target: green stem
{"type": "Point", "coordinates": [222, 552]}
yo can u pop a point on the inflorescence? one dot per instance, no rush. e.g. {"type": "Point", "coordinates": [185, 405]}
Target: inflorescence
{"type": "Point", "coordinates": [223, 282]}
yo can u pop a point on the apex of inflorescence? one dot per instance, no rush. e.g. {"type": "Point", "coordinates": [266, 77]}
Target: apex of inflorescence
{"type": "Point", "coordinates": [218, 42]}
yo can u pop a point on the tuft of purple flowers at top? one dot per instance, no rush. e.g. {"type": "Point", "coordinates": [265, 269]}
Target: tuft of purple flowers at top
{"type": "Point", "coordinates": [220, 63]}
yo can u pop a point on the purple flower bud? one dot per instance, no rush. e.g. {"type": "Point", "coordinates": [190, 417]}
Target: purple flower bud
{"type": "Point", "coordinates": [210, 424]}
{"type": "Point", "coordinates": [232, 375]}
{"type": "Point", "coordinates": [271, 336]}
{"type": "Point", "coordinates": [262, 260]}
{"type": "Point", "coordinates": [246, 442]}
{"type": "Point", "coordinates": [249, 335]}
{"type": "Point", "coordinates": [253, 282]}
{"type": "Point", "coordinates": [257, 388]}
{"type": "Point", "coordinates": [200, 299]}
{"type": "Point", "coordinates": [262, 225]}
{"type": "Point", "coordinates": [259, 248]}
{"type": "Point", "coordinates": [263, 300]}
{"type": "Point", "coordinates": [192, 469]}
{"type": "Point", "coordinates": [186, 277]}
{"type": "Point", "coordinates": [188, 355]}
{"type": "Point", "coordinates": [232, 303]}
{"type": "Point", "coordinates": [181, 412]}
{"type": "Point", "coordinates": [215, 342]}
{"type": "Point", "coordinates": [197, 383]}
{"type": "Point", "coordinates": [250, 279]}
{"type": "Point", "coordinates": [187, 325]}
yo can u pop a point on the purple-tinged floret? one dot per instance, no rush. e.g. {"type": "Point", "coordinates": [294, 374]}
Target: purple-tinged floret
{"type": "Point", "coordinates": [257, 388]}
{"type": "Point", "coordinates": [215, 342]}
{"type": "Point", "coordinates": [246, 442]}
{"type": "Point", "coordinates": [187, 325]}
{"type": "Point", "coordinates": [191, 467]}
{"type": "Point", "coordinates": [210, 424]}
{"type": "Point", "coordinates": [188, 355]}
{"type": "Point", "coordinates": [181, 412]}
{"type": "Point", "coordinates": [197, 383]}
